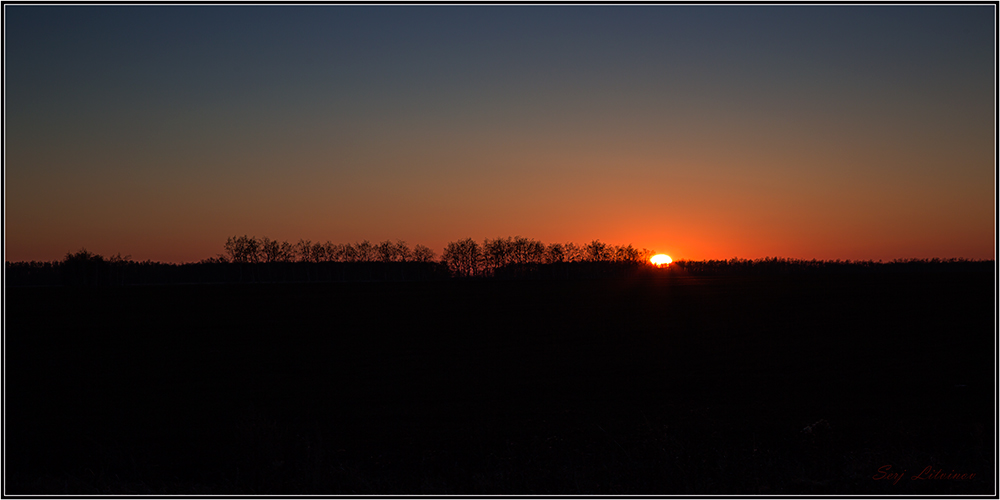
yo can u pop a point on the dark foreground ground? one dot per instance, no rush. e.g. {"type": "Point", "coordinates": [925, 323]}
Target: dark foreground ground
{"type": "Point", "coordinates": [649, 385]}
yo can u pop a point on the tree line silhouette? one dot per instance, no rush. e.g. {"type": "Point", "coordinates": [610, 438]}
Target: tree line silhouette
{"type": "Point", "coordinates": [521, 257]}
{"type": "Point", "coordinates": [253, 250]}
{"type": "Point", "coordinates": [248, 259]}
{"type": "Point", "coordinates": [780, 265]}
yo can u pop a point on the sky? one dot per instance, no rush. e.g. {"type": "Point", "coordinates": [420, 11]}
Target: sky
{"type": "Point", "coordinates": [704, 132]}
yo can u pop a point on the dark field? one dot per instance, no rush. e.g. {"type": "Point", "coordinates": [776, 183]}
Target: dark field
{"type": "Point", "coordinates": [654, 385]}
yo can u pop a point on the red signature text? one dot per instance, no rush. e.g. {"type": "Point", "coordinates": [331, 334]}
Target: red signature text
{"type": "Point", "coordinates": [883, 473]}
{"type": "Point", "coordinates": [886, 473]}
{"type": "Point", "coordinates": [930, 473]}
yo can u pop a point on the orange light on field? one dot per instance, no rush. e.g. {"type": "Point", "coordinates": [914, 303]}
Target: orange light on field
{"type": "Point", "coordinates": [661, 260]}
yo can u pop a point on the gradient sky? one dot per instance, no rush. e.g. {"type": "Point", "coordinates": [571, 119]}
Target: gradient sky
{"type": "Point", "coordinates": [828, 132]}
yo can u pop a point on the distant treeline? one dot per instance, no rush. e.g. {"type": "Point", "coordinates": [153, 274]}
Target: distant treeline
{"type": "Point", "coordinates": [778, 265]}
{"type": "Point", "coordinates": [262, 260]}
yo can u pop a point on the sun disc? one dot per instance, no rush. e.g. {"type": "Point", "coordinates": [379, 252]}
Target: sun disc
{"type": "Point", "coordinates": [661, 259]}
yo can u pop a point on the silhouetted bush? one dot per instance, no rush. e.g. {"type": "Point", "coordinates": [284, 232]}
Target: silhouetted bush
{"type": "Point", "coordinates": [84, 269]}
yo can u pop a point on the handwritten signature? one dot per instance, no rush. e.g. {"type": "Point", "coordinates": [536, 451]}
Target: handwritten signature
{"type": "Point", "coordinates": [885, 473]}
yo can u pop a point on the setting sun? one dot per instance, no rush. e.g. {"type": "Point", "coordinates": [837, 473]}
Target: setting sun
{"type": "Point", "coordinates": [661, 259]}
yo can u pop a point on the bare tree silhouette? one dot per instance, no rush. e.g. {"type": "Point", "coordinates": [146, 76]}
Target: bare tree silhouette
{"type": "Point", "coordinates": [364, 251]}
{"type": "Point", "coordinates": [573, 252]}
{"type": "Point", "coordinates": [241, 249]}
{"type": "Point", "coordinates": [401, 251]}
{"type": "Point", "coordinates": [596, 251]}
{"type": "Point", "coordinates": [463, 257]}
{"type": "Point", "coordinates": [303, 250]}
{"type": "Point", "coordinates": [528, 251]}
{"type": "Point", "coordinates": [496, 254]}
{"type": "Point", "coordinates": [422, 254]}
{"type": "Point", "coordinates": [344, 252]}
{"type": "Point", "coordinates": [555, 253]}
{"type": "Point", "coordinates": [385, 251]}
{"type": "Point", "coordinates": [317, 252]}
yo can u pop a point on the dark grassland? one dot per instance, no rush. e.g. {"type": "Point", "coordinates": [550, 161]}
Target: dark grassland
{"type": "Point", "coordinates": [657, 384]}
